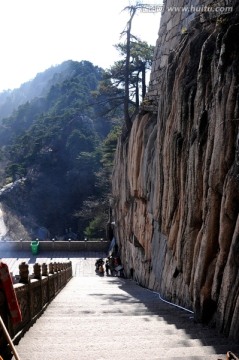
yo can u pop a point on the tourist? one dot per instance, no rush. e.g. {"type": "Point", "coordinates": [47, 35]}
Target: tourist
{"type": "Point", "coordinates": [107, 267]}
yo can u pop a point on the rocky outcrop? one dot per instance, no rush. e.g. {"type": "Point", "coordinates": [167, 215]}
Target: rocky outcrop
{"type": "Point", "coordinates": [16, 216]}
{"type": "Point", "coordinates": [176, 175]}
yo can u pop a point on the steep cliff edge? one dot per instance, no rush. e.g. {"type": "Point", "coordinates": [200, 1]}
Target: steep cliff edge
{"type": "Point", "coordinates": [176, 175]}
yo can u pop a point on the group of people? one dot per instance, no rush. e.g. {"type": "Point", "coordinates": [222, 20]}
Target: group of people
{"type": "Point", "coordinates": [112, 266]}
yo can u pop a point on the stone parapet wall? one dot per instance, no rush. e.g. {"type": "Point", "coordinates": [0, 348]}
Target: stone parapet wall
{"type": "Point", "coordinates": [100, 245]}
{"type": "Point", "coordinates": [36, 292]}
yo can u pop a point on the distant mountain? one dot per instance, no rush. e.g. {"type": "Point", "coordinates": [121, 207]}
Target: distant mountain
{"type": "Point", "coordinates": [38, 87]}
{"type": "Point", "coordinates": [53, 141]}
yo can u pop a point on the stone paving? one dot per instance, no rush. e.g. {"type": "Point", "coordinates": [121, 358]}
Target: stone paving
{"type": "Point", "coordinates": [105, 318]}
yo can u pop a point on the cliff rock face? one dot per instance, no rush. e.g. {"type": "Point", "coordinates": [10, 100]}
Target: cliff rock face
{"type": "Point", "coordinates": [176, 175]}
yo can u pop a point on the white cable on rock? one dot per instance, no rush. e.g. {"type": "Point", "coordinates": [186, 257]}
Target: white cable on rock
{"type": "Point", "coordinates": [168, 302]}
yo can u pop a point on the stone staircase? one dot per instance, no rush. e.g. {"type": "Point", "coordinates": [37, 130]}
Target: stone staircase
{"type": "Point", "coordinates": [105, 318]}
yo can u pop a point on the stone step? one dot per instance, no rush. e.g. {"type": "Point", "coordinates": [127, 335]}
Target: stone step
{"type": "Point", "coordinates": [118, 356]}
{"type": "Point", "coordinates": [149, 340]}
{"type": "Point", "coordinates": [100, 318]}
{"type": "Point", "coordinates": [145, 324]}
{"type": "Point", "coordinates": [81, 329]}
{"type": "Point", "coordinates": [123, 353]}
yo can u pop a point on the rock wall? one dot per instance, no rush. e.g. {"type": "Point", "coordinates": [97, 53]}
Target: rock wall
{"type": "Point", "coordinates": [176, 175]}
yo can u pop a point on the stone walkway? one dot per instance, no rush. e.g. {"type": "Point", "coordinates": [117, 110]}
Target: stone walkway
{"type": "Point", "coordinates": [85, 260]}
{"type": "Point", "coordinates": [105, 318]}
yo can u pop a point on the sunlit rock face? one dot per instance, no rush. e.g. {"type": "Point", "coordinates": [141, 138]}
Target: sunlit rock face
{"type": "Point", "coordinates": [176, 175]}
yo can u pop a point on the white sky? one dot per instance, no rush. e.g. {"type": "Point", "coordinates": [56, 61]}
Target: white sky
{"type": "Point", "coordinates": [36, 34]}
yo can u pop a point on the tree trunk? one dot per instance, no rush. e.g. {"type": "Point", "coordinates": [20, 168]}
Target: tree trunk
{"type": "Point", "coordinates": [127, 71]}
{"type": "Point", "coordinates": [143, 81]}
{"type": "Point", "coordinates": [137, 92]}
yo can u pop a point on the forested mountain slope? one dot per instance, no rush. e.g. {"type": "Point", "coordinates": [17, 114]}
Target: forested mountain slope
{"type": "Point", "coordinates": [53, 143]}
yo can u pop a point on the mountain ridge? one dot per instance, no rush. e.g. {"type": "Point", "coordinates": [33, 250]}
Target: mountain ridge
{"type": "Point", "coordinates": [34, 88]}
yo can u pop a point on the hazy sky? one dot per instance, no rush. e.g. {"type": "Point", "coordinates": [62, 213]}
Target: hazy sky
{"type": "Point", "coordinates": [36, 34]}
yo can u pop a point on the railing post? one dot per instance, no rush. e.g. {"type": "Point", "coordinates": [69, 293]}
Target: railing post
{"type": "Point", "coordinates": [55, 277]}
{"type": "Point", "coordinates": [37, 271]}
{"type": "Point", "coordinates": [63, 273]}
{"type": "Point", "coordinates": [45, 287]}
{"type": "Point", "coordinates": [51, 281]}
{"type": "Point", "coordinates": [37, 276]}
{"type": "Point", "coordinates": [24, 273]}
{"type": "Point", "coordinates": [44, 269]}
{"type": "Point", "coordinates": [68, 270]}
{"type": "Point", "coordinates": [51, 270]}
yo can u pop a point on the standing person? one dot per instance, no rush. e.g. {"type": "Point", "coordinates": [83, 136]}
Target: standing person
{"type": "Point", "coordinates": [111, 264]}
{"type": "Point", "coordinates": [9, 308]}
{"type": "Point", "coordinates": [107, 267]}
{"type": "Point", "coordinates": [101, 268]}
